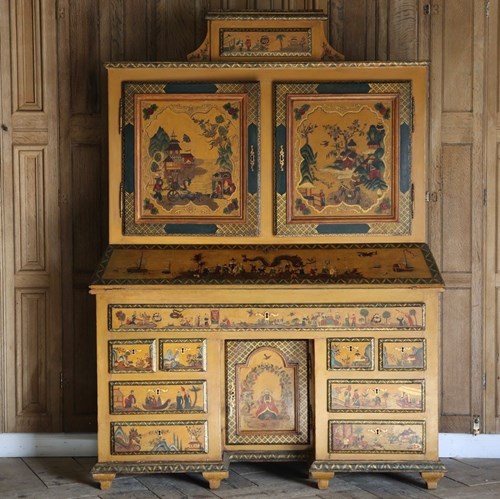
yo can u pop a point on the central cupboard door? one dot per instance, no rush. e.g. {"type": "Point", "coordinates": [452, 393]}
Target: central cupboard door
{"type": "Point", "coordinates": [267, 392]}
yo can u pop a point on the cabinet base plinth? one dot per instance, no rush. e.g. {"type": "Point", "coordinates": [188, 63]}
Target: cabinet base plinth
{"type": "Point", "coordinates": [322, 478]}
{"type": "Point", "coordinates": [430, 471]}
{"type": "Point", "coordinates": [213, 472]}
{"type": "Point", "coordinates": [214, 478]}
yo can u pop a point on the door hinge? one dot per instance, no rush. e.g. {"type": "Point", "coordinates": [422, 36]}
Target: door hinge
{"type": "Point", "coordinates": [427, 9]}
{"type": "Point", "coordinates": [61, 380]}
{"type": "Point", "coordinates": [476, 425]}
{"type": "Point", "coordinates": [61, 13]}
{"type": "Point", "coordinates": [487, 10]}
{"type": "Point", "coordinates": [485, 196]}
{"type": "Point", "coordinates": [484, 380]}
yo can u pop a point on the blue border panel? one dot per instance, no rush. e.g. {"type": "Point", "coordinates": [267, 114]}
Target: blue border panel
{"type": "Point", "coordinates": [190, 88]}
{"type": "Point", "coordinates": [404, 158]}
{"type": "Point", "coordinates": [128, 158]}
{"type": "Point", "coordinates": [343, 88]}
{"type": "Point", "coordinates": [190, 229]}
{"type": "Point", "coordinates": [343, 228]}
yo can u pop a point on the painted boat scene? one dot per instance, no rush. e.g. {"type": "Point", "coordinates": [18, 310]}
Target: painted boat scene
{"type": "Point", "coordinates": [168, 396]}
{"type": "Point", "coordinates": [348, 264]}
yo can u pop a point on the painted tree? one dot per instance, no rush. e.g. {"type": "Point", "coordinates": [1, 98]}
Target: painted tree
{"type": "Point", "coordinates": [386, 315]}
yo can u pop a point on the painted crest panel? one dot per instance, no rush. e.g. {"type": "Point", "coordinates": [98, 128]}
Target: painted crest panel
{"type": "Point", "coordinates": [169, 437]}
{"type": "Point", "coordinates": [376, 396]}
{"type": "Point", "coordinates": [351, 354]}
{"type": "Point", "coordinates": [183, 355]}
{"type": "Point", "coordinates": [172, 397]}
{"type": "Point", "coordinates": [402, 354]}
{"type": "Point", "coordinates": [267, 392]}
{"type": "Point", "coordinates": [258, 317]}
{"type": "Point", "coordinates": [379, 437]}
{"type": "Point", "coordinates": [132, 356]}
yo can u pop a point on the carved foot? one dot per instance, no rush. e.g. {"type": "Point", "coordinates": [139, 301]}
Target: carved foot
{"type": "Point", "coordinates": [105, 479]}
{"type": "Point", "coordinates": [322, 478]}
{"type": "Point", "coordinates": [431, 478]}
{"type": "Point", "coordinates": [214, 478]}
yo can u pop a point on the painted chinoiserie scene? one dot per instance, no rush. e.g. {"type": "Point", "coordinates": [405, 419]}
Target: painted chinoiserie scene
{"type": "Point", "coordinates": [406, 437]}
{"type": "Point", "coordinates": [343, 157]}
{"type": "Point", "coordinates": [183, 355]}
{"type": "Point", "coordinates": [189, 157]}
{"type": "Point", "coordinates": [342, 264]}
{"type": "Point", "coordinates": [355, 354]}
{"type": "Point", "coordinates": [376, 396]}
{"type": "Point", "coordinates": [132, 356]}
{"type": "Point", "coordinates": [169, 437]}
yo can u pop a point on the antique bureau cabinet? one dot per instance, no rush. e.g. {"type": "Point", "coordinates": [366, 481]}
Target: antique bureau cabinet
{"type": "Point", "coordinates": [267, 293]}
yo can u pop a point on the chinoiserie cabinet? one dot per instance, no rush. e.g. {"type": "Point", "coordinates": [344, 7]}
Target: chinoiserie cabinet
{"type": "Point", "coordinates": [267, 293]}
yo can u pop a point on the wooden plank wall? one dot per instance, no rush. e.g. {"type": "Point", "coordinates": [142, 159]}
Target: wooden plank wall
{"type": "Point", "coordinates": [54, 187]}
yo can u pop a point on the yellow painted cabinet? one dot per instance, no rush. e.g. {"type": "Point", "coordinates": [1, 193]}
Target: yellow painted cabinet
{"type": "Point", "coordinates": [267, 294]}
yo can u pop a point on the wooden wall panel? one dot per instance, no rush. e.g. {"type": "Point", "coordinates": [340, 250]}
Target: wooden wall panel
{"type": "Point", "coordinates": [458, 26]}
{"type": "Point", "coordinates": [29, 202]}
{"type": "Point", "coordinates": [31, 356]}
{"type": "Point", "coordinates": [27, 76]}
{"type": "Point", "coordinates": [456, 362]}
{"type": "Point", "coordinates": [457, 208]}
{"type": "Point", "coordinates": [85, 66]}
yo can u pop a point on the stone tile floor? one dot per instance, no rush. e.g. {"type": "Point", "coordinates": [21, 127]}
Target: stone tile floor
{"type": "Point", "coordinates": [67, 478]}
